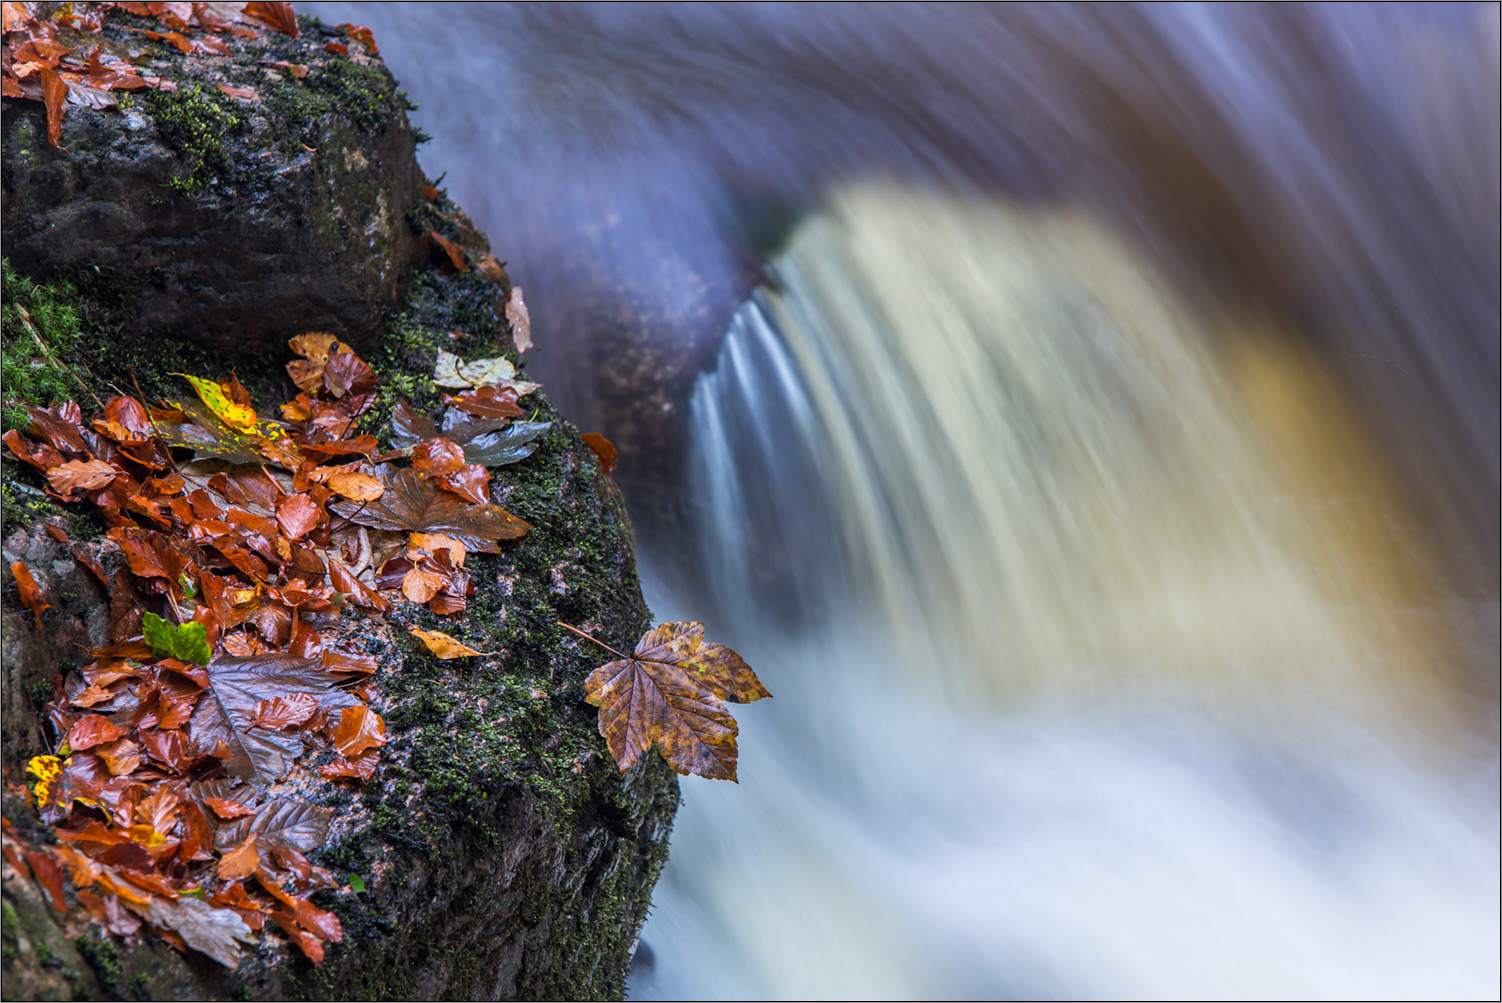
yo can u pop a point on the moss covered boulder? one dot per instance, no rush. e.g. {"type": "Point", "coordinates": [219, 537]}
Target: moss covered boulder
{"type": "Point", "coordinates": [498, 852]}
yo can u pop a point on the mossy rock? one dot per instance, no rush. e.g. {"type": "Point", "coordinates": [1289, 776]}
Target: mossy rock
{"type": "Point", "coordinates": [498, 852]}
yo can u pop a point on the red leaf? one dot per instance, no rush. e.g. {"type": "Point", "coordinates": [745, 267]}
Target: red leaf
{"type": "Point", "coordinates": [360, 728]}
{"type": "Point", "coordinates": [361, 34]}
{"type": "Point", "coordinates": [92, 730]}
{"type": "Point", "coordinates": [297, 515]}
{"type": "Point", "coordinates": [488, 402]}
{"type": "Point", "coordinates": [50, 873]}
{"type": "Point", "coordinates": [603, 449]}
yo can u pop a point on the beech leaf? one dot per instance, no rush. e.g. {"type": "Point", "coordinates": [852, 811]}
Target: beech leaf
{"type": "Point", "coordinates": [280, 822]}
{"type": "Point", "coordinates": [227, 710]}
{"type": "Point", "coordinates": [668, 694]}
{"type": "Point", "coordinates": [201, 926]}
{"type": "Point", "coordinates": [444, 646]}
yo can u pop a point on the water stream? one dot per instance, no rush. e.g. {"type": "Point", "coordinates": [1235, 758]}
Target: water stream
{"type": "Point", "coordinates": [1099, 465]}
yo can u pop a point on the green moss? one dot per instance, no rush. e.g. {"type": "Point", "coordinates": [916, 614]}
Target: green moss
{"type": "Point", "coordinates": [197, 122]}
{"type": "Point", "coordinates": [41, 325]}
{"type": "Point", "coordinates": [104, 957]}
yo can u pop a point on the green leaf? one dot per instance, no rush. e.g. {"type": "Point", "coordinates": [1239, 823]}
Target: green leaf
{"type": "Point", "coordinates": [187, 642]}
{"type": "Point", "coordinates": [187, 583]}
{"type": "Point", "coordinates": [356, 883]}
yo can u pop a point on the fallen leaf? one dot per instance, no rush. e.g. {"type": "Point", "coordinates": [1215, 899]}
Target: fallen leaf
{"type": "Point", "coordinates": [356, 486]}
{"type": "Point", "coordinates": [278, 15]}
{"type": "Point", "coordinates": [412, 503]}
{"type": "Point", "coordinates": [55, 94]}
{"type": "Point", "coordinates": [444, 646]}
{"type": "Point", "coordinates": [281, 822]}
{"type": "Point", "coordinates": [446, 253]}
{"type": "Point", "coordinates": [668, 693]}
{"type": "Point", "coordinates": [186, 642]}
{"type": "Point", "coordinates": [488, 402]}
{"type": "Point", "coordinates": [226, 712]}
{"type": "Point", "coordinates": [91, 730]}
{"type": "Point", "coordinates": [31, 594]}
{"type": "Point", "coordinates": [202, 927]}
{"type": "Point", "coordinates": [488, 442]}
{"type": "Point", "coordinates": [603, 449]}
{"type": "Point", "coordinates": [520, 320]}
{"type": "Point", "coordinates": [361, 34]}
{"type": "Point", "coordinates": [240, 862]}
{"type": "Point", "coordinates": [80, 475]}
{"type": "Point", "coordinates": [360, 728]}
{"type": "Point", "coordinates": [242, 93]}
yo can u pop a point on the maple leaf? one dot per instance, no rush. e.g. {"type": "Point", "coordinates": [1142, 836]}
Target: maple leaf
{"type": "Point", "coordinates": [668, 693]}
{"type": "Point", "coordinates": [227, 711]}
{"type": "Point", "coordinates": [412, 503]}
{"type": "Point", "coordinates": [488, 442]}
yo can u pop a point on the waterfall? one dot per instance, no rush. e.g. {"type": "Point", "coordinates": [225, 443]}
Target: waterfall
{"type": "Point", "coordinates": [1100, 667]}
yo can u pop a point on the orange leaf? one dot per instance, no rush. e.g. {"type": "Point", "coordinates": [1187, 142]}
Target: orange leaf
{"type": "Point", "coordinates": [603, 449]}
{"type": "Point", "coordinates": [360, 728]}
{"type": "Point", "coordinates": [241, 862]}
{"type": "Point", "coordinates": [55, 94]}
{"type": "Point", "coordinates": [278, 15]}
{"type": "Point", "coordinates": [31, 594]}
{"type": "Point", "coordinates": [443, 646]}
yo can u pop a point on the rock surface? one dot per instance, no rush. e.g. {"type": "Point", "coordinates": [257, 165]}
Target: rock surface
{"type": "Point", "coordinates": [502, 853]}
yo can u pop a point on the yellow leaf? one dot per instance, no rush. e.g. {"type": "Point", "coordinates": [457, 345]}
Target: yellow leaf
{"type": "Point", "coordinates": [46, 769]}
{"type": "Point", "coordinates": [443, 646]}
{"type": "Point", "coordinates": [236, 416]}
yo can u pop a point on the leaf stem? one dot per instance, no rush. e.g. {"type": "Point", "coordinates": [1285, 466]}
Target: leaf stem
{"type": "Point", "coordinates": [587, 637]}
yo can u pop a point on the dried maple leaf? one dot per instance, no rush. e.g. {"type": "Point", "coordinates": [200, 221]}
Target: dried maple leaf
{"type": "Point", "coordinates": [412, 503]}
{"type": "Point", "coordinates": [668, 693]}
{"type": "Point", "coordinates": [227, 711]}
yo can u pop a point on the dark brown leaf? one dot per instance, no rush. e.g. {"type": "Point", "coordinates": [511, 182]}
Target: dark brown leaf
{"type": "Point", "coordinates": [412, 503]}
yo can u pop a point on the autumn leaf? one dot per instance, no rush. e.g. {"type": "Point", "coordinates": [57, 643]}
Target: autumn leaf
{"type": "Point", "coordinates": [603, 449]}
{"type": "Point", "coordinates": [201, 926]}
{"type": "Point", "coordinates": [280, 822]}
{"type": "Point", "coordinates": [488, 402]}
{"type": "Point", "coordinates": [668, 693]}
{"type": "Point", "coordinates": [443, 646]}
{"type": "Point", "coordinates": [55, 94]}
{"type": "Point", "coordinates": [520, 320]}
{"type": "Point", "coordinates": [456, 374]}
{"type": "Point", "coordinates": [278, 15]}
{"type": "Point", "coordinates": [240, 862]}
{"type": "Point", "coordinates": [227, 711]}
{"type": "Point", "coordinates": [488, 442]}
{"type": "Point", "coordinates": [360, 728]}
{"type": "Point", "coordinates": [31, 594]}
{"type": "Point", "coordinates": [80, 475]}
{"type": "Point", "coordinates": [216, 397]}
{"type": "Point", "coordinates": [412, 503]}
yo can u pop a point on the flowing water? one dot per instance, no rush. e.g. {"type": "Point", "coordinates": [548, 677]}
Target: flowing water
{"type": "Point", "coordinates": [1101, 472]}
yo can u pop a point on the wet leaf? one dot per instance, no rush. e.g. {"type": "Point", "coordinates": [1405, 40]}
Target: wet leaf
{"type": "Point", "coordinates": [603, 449]}
{"type": "Point", "coordinates": [240, 862]}
{"type": "Point", "coordinates": [80, 475]}
{"type": "Point", "coordinates": [202, 927]}
{"type": "Point", "coordinates": [356, 486]}
{"type": "Point", "coordinates": [520, 320]}
{"type": "Point", "coordinates": [442, 645]}
{"type": "Point", "coordinates": [488, 442]}
{"type": "Point", "coordinates": [281, 822]}
{"type": "Point", "coordinates": [360, 728]}
{"type": "Point", "coordinates": [488, 402]}
{"type": "Point", "coordinates": [186, 642]}
{"type": "Point", "coordinates": [31, 593]}
{"type": "Point", "coordinates": [227, 711]}
{"type": "Point", "coordinates": [361, 34]}
{"type": "Point", "coordinates": [412, 503]}
{"type": "Point", "coordinates": [278, 15]}
{"type": "Point", "coordinates": [668, 694]}
{"type": "Point", "coordinates": [216, 397]}
{"type": "Point", "coordinates": [91, 730]}
{"type": "Point", "coordinates": [55, 94]}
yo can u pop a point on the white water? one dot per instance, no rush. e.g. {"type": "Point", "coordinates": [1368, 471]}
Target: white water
{"type": "Point", "coordinates": [1086, 698]}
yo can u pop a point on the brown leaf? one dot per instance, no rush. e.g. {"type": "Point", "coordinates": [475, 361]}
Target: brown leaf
{"type": "Point", "coordinates": [284, 712]}
{"type": "Point", "coordinates": [226, 712]}
{"type": "Point", "coordinates": [361, 767]}
{"type": "Point", "coordinates": [443, 646]}
{"type": "Point", "coordinates": [437, 456]}
{"type": "Point", "coordinates": [361, 34]}
{"type": "Point", "coordinates": [297, 515]}
{"type": "Point", "coordinates": [227, 809]}
{"type": "Point", "coordinates": [446, 254]}
{"type": "Point", "coordinates": [356, 486]}
{"type": "Point", "coordinates": [488, 402]}
{"type": "Point", "coordinates": [240, 862]}
{"type": "Point", "coordinates": [668, 694]}
{"type": "Point", "coordinates": [31, 594]}
{"type": "Point", "coordinates": [50, 873]}
{"type": "Point", "coordinates": [80, 475]}
{"type": "Point", "coordinates": [434, 542]}
{"type": "Point", "coordinates": [420, 585]}
{"type": "Point", "coordinates": [412, 503]}
{"type": "Point", "coordinates": [242, 93]}
{"type": "Point", "coordinates": [201, 926]}
{"type": "Point", "coordinates": [520, 320]}
{"type": "Point", "coordinates": [281, 822]}
{"type": "Point", "coordinates": [55, 94]}
{"type": "Point", "coordinates": [360, 728]}
{"type": "Point", "coordinates": [92, 730]}
{"type": "Point", "coordinates": [278, 15]}
{"type": "Point", "coordinates": [603, 449]}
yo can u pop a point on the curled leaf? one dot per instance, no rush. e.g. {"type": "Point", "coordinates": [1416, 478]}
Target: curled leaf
{"type": "Point", "coordinates": [444, 646]}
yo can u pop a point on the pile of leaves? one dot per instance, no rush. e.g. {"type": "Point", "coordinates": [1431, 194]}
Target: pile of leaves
{"type": "Point", "coordinates": [61, 59]}
{"type": "Point", "coordinates": [243, 542]}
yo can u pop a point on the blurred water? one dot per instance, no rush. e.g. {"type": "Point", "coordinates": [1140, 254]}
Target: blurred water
{"type": "Point", "coordinates": [1103, 473]}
